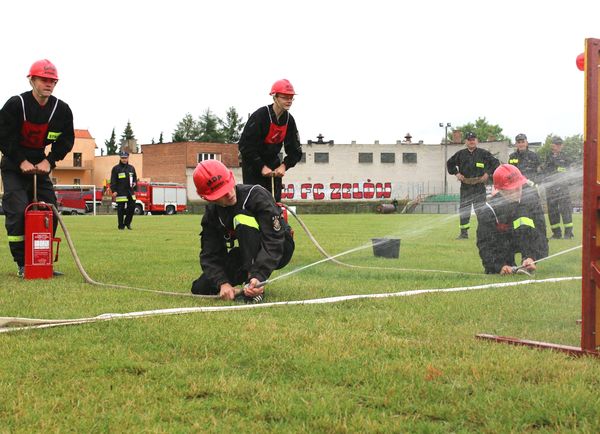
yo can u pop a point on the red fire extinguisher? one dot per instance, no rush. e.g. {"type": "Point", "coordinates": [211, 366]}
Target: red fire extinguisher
{"type": "Point", "coordinates": [39, 238]}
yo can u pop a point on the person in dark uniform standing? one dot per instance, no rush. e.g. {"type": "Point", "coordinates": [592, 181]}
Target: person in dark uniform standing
{"type": "Point", "coordinates": [268, 130]}
{"type": "Point", "coordinates": [122, 183]}
{"type": "Point", "coordinates": [511, 222]}
{"type": "Point", "coordinates": [248, 214]}
{"type": "Point", "coordinates": [28, 123]}
{"type": "Point", "coordinates": [472, 166]}
{"type": "Point", "coordinates": [525, 160]}
{"type": "Point", "coordinates": [556, 184]}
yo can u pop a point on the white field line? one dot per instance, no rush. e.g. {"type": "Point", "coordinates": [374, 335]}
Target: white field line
{"type": "Point", "coordinates": [12, 324]}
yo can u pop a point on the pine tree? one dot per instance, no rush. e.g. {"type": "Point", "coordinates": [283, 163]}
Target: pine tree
{"type": "Point", "coordinates": [208, 125]}
{"type": "Point", "coordinates": [111, 144]}
{"type": "Point", "coordinates": [128, 142]}
{"type": "Point", "coordinates": [232, 126]}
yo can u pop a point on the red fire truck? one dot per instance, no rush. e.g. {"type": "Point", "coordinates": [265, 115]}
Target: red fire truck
{"type": "Point", "coordinates": [73, 199]}
{"type": "Point", "coordinates": [160, 198]}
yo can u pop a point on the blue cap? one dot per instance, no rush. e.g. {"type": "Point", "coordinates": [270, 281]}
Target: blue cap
{"type": "Point", "coordinates": [123, 154]}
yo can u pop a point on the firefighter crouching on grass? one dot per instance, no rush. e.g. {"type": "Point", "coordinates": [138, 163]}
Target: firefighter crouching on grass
{"type": "Point", "coordinates": [472, 166]}
{"type": "Point", "coordinates": [248, 214]}
{"type": "Point", "coordinates": [28, 123]}
{"type": "Point", "coordinates": [511, 222]}
{"type": "Point", "coordinates": [122, 182]}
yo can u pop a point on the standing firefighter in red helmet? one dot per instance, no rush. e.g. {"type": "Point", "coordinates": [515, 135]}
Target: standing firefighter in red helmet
{"type": "Point", "coordinates": [511, 222]}
{"type": "Point", "coordinates": [28, 123]}
{"type": "Point", "coordinates": [267, 130]}
{"type": "Point", "coordinates": [248, 214]}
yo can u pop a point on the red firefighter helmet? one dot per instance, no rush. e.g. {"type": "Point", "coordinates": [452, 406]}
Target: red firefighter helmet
{"type": "Point", "coordinates": [43, 68]}
{"type": "Point", "coordinates": [282, 86]}
{"type": "Point", "coordinates": [212, 179]}
{"type": "Point", "coordinates": [508, 177]}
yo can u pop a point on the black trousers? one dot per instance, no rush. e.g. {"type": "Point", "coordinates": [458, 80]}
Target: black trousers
{"type": "Point", "coordinates": [559, 205]}
{"type": "Point", "coordinates": [18, 194]}
{"type": "Point", "coordinates": [125, 212]}
{"type": "Point", "coordinates": [239, 260]}
{"type": "Point", "coordinates": [250, 176]}
{"type": "Point", "coordinates": [470, 196]}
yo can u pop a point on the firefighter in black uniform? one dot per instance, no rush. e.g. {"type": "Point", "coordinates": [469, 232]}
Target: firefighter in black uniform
{"type": "Point", "coordinates": [248, 214]}
{"type": "Point", "coordinates": [28, 123]}
{"type": "Point", "coordinates": [472, 166]}
{"type": "Point", "coordinates": [556, 184]}
{"type": "Point", "coordinates": [525, 160]}
{"type": "Point", "coordinates": [511, 222]}
{"type": "Point", "coordinates": [267, 130]}
{"type": "Point", "coordinates": [122, 183]}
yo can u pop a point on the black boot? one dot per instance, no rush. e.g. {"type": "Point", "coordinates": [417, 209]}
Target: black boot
{"type": "Point", "coordinates": [464, 235]}
{"type": "Point", "coordinates": [556, 234]}
{"type": "Point", "coordinates": [569, 233]}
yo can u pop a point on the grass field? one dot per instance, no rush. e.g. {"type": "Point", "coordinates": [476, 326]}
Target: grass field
{"type": "Point", "coordinates": [405, 364]}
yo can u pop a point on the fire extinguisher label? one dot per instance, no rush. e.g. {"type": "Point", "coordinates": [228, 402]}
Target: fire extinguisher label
{"type": "Point", "coordinates": [42, 252]}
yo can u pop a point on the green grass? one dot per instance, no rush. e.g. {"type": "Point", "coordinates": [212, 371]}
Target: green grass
{"type": "Point", "coordinates": [407, 364]}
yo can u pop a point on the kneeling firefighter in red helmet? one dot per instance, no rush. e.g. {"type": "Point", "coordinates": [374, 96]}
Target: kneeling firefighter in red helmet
{"type": "Point", "coordinates": [511, 222]}
{"type": "Point", "coordinates": [248, 214]}
{"type": "Point", "coordinates": [268, 130]}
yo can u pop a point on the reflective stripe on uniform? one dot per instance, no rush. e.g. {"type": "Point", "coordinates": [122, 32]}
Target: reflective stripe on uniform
{"type": "Point", "coordinates": [16, 238]}
{"type": "Point", "coordinates": [480, 165]}
{"type": "Point", "coordinates": [467, 226]}
{"type": "Point", "coordinates": [246, 220]}
{"type": "Point", "coordinates": [122, 175]}
{"type": "Point", "coordinates": [561, 169]}
{"type": "Point", "coordinates": [556, 226]}
{"type": "Point", "coordinates": [121, 199]}
{"type": "Point", "coordinates": [568, 225]}
{"type": "Point", "coordinates": [52, 135]}
{"type": "Point", "coordinates": [523, 221]}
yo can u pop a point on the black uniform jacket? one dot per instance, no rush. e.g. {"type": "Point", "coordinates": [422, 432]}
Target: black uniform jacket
{"type": "Point", "coordinates": [472, 165]}
{"type": "Point", "coordinates": [554, 170]}
{"type": "Point", "coordinates": [527, 162]}
{"type": "Point", "coordinates": [60, 134]}
{"type": "Point", "coordinates": [123, 179]}
{"type": "Point", "coordinates": [256, 154]}
{"type": "Point", "coordinates": [506, 228]}
{"type": "Point", "coordinates": [217, 229]}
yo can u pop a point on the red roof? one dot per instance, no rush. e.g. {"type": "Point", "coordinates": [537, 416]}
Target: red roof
{"type": "Point", "coordinates": [83, 134]}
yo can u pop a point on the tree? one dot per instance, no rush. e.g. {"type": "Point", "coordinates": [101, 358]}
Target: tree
{"type": "Point", "coordinates": [160, 139]}
{"type": "Point", "coordinates": [208, 126]}
{"type": "Point", "coordinates": [128, 141]}
{"type": "Point", "coordinates": [187, 130]}
{"type": "Point", "coordinates": [232, 126]}
{"type": "Point", "coordinates": [111, 144]}
{"type": "Point", "coordinates": [484, 131]}
{"type": "Point", "coordinates": [572, 147]}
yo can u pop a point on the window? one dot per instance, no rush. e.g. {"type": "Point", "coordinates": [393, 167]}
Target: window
{"type": "Point", "coordinates": [77, 160]}
{"type": "Point", "coordinates": [54, 181]}
{"type": "Point", "coordinates": [303, 158]}
{"type": "Point", "coordinates": [365, 157]}
{"type": "Point", "coordinates": [409, 157]}
{"type": "Point", "coordinates": [321, 157]}
{"type": "Point", "coordinates": [388, 157]}
{"type": "Point", "coordinates": [76, 181]}
{"type": "Point", "coordinates": [203, 156]}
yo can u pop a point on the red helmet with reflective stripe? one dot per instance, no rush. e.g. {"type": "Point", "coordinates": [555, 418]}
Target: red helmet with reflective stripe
{"type": "Point", "coordinates": [508, 177]}
{"type": "Point", "coordinates": [43, 68]}
{"type": "Point", "coordinates": [282, 86]}
{"type": "Point", "coordinates": [212, 179]}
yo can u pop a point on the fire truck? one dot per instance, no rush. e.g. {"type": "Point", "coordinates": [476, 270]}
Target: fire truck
{"type": "Point", "coordinates": [74, 200]}
{"type": "Point", "coordinates": [160, 198]}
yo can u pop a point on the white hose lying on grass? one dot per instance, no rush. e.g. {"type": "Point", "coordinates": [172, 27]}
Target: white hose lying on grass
{"type": "Point", "coordinates": [12, 324]}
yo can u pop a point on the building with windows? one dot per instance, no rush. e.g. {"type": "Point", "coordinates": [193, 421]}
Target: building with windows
{"type": "Point", "coordinates": [78, 166]}
{"type": "Point", "coordinates": [356, 171]}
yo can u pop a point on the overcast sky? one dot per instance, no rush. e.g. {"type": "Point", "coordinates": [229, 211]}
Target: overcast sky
{"type": "Point", "coordinates": [363, 70]}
